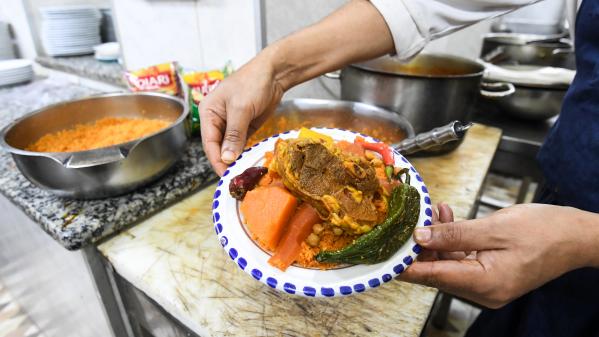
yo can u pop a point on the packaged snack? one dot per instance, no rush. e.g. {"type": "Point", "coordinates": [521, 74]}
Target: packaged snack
{"type": "Point", "coordinates": [199, 84]}
{"type": "Point", "coordinates": [159, 78]}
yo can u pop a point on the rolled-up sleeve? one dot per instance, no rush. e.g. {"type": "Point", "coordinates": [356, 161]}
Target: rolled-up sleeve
{"type": "Point", "coordinates": [414, 23]}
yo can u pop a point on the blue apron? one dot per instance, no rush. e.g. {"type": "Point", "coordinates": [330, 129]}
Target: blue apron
{"type": "Point", "coordinates": [568, 305]}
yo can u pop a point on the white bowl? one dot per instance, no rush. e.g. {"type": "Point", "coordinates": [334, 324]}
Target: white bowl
{"type": "Point", "coordinates": [297, 280]}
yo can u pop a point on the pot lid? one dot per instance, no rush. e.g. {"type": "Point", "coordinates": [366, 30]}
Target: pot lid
{"type": "Point", "coordinates": [530, 76]}
{"type": "Point", "coordinates": [517, 39]}
{"type": "Point", "coordinates": [424, 66]}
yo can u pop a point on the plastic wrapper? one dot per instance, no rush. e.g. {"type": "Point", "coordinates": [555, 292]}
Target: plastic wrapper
{"type": "Point", "coordinates": [199, 84]}
{"type": "Point", "coordinates": [161, 78]}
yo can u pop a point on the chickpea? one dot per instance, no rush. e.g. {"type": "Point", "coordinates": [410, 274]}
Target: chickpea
{"type": "Point", "coordinates": [312, 240]}
{"type": "Point", "coordinates": [317, 228]}
{"type": "Point", "coordinates": [376, 162]}
{"type": "Point", "coordinates": [337, 231]}
{"type": "Point", "coordinates": [369, 155]}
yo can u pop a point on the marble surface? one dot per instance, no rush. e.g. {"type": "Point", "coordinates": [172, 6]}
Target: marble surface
{"type": "Point", "coordinates": [76, 223]}
{"type": "Point", "coordinates": [87, 67]}
{"type": "Point", "coordinates": [175, 258]}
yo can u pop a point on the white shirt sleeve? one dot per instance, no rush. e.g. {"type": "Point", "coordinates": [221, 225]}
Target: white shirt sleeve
{"type": "Point", "coordinates": [414, 23]}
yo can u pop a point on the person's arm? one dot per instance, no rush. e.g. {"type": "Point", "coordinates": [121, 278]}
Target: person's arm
{"type": "Point", "coordinates": [515, 250]}
{"type": "Point", "coordinates": [242, 102]}
{"type": "Point", "coordinates": [363, 30]}
{"type": "Point", "coordinates": [358, 31]}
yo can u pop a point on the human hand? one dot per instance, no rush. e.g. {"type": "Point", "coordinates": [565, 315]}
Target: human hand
{"type": "Point", "coordinates": [242, 102]}
{"type": "Point", "coordinates": [237, 108]}
{"type": "Point", "coordinates": [508, 254]}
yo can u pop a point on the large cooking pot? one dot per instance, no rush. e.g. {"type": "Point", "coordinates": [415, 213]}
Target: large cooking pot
{"type": "Point", "coordinates": [105, 171]}
{"type": "Point", "coordinates": [528, 49]}
{"type": "Point", "coordinates": [429, 91]}
{"type": "Point", "coordinates": [530, 100]}
{"type": "Point", "coordinates": [360, 117]}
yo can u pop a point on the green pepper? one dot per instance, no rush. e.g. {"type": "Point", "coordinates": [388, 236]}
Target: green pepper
{"type": "Point", "coordinates": [385, 239]}
{"type": "Point", "coordinates": [389, 171]}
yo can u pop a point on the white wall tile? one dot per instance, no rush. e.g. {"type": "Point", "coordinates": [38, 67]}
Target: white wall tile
{"type": "Point", "coordinates": [227, 31]}
{"type": "Point", "coordinates": [13, 12]}
{"type": "Point", "coordinates": [198, 33]}
{"type": "Point", "coordinates": [285, 17]}
{"type": "Point", "coordinates": [152, 32]}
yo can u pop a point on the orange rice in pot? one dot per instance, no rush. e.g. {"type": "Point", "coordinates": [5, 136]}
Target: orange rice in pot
{"type": "Point", "coordinates": [104, 132]}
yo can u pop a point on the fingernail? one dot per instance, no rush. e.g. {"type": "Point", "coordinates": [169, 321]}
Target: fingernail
{"type": "Point", "coordinates": [227, 156]}
{"type": "Point", "coordinates": [422, 235]}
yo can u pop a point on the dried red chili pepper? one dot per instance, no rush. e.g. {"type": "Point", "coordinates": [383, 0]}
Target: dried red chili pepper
{"type": "Point", "coordinates": [246, 181]}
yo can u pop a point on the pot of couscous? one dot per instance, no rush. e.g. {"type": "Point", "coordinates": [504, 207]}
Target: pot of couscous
{"type": "Point", "coordinates": [99, 146]}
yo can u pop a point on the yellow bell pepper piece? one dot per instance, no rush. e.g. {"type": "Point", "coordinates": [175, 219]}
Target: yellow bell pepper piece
{"type": "Point", "coordinates": [311, 134]}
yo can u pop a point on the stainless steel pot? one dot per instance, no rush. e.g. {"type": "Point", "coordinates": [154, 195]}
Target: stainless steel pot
{"type": "Point", "coordinates": [106, 171]}
{"type": "Point", "coordinates": [360, 117]}
{"type": "Point", "coordinates": [529, 101]}
{"type": "Point", "coordinates": [528, 49]}
{"type": "Point", "coordinates": [429, 91]}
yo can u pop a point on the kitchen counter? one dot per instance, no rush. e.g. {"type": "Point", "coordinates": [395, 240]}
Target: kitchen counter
{"type": "Point", "coordinates": [86, 67]}
{"type": "Point", "coordinates": [76, 223]}
{"type": "Point", "coordinates": [175, 258]}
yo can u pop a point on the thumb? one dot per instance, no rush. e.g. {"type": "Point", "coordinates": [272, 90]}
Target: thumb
{"type": "Point", "coordinates": [235, 135]}
{"type": "Point", "coordinates": [466, 235]}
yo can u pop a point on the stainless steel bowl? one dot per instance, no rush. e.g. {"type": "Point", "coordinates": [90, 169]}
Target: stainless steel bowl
{"type": "Point", "coordinates": [102, 172]}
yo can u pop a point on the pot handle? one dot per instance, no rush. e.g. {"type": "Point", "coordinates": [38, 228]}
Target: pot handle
{"type": "Point", "coordinates": [97, 157]}
{"type": "Point", "coordinates": [497, 89]}
{"type": "Point", "coordinates": [560, 51]}
{"type": "Point", "coordinates": [334, 75]}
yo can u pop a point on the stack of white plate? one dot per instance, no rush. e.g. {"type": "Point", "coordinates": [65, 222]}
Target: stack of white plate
{"type": "Point", "coordinates": [6, 47]}
{"type": "Point", "coordinates": [70, 30]}
{"type": "Point", "coordinates": [15, 71]}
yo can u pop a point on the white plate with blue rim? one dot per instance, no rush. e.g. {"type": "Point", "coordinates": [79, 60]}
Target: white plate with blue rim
{"type": "Point", "coordinates": [342, 281]}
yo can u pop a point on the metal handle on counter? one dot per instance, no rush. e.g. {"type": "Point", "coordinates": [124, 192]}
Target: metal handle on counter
{"type": "Point", "coordinates": [437, 136]}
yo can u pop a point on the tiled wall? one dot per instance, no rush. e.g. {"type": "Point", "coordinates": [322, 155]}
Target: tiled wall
{"type": "Point", "coordinates": [198, 33]}
{"type": "Point", "coordinates": [284, 17]}
{"type": "Point", "coordinates": [13, 12]}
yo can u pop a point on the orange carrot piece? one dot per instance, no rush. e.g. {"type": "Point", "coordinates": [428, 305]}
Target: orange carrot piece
{"type": "Point", "coordinates": [298, 229]}
{"type": "Point", "coordinates": [267, 210]}
{"type": "Point", "coordinates": [353, 148]}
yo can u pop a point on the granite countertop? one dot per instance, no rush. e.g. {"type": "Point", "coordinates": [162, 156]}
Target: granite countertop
{"type": "Point", "coordinates": [75, 223]}
{"type": "Point", "coordinates": [87, 67]}
{"type": "Point", "coordinates": [174, 257]}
